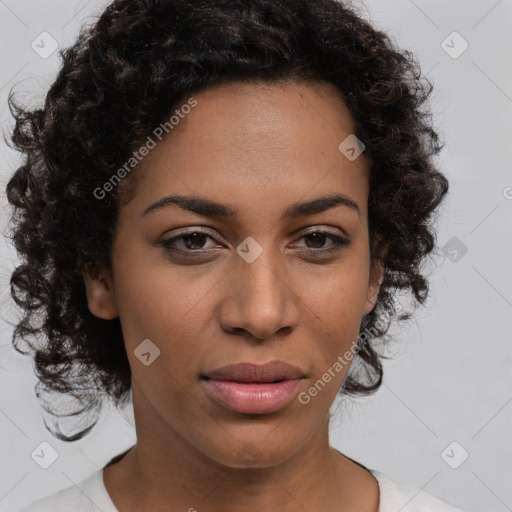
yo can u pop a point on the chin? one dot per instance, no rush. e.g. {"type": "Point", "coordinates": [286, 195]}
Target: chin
{"type": "Point", "coordinates": [253, 454]}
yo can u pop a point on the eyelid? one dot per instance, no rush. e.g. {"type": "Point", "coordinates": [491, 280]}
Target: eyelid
{"type": "Point", "coordinates": [322, 229]}
{"type": "Point", "coordinates": [193, 229]}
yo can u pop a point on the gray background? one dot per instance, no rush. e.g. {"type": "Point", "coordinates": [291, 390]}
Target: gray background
{"type": "Point", "coordinates": [450, 381]}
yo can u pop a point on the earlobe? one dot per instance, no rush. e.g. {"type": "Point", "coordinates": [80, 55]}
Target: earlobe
{"type": "Point", "coordinates": [100, 293]}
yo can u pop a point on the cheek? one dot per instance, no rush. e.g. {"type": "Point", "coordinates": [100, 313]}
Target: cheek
{"type": "Point", "coordinates": [337, 293]}
{"type": "Point", "coordinates": [151, 294]}
{"type": "Point", "coordinates": [165, 304]}
{"type": "Point", "coordinates": [335, 305]}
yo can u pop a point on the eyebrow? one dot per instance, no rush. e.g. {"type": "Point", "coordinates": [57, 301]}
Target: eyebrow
{"type": "Point", "coordinates": [210, 208]}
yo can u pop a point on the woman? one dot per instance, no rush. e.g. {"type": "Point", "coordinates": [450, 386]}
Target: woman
{"type": "Point", "coordinates": [218, 202]}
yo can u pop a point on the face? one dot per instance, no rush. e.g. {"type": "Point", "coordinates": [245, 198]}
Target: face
{"type": "Point", "coordinates": [256, 280]}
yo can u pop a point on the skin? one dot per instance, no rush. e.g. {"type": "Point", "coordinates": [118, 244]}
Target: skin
{"type": "Point", "coordinates": [258, 148]}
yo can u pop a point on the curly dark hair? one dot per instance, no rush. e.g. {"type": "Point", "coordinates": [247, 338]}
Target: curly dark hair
{"type": "Point", "coordinates": [122, 78]}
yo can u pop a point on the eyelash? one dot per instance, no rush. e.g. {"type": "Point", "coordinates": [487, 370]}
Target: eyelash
{"type": "Point", "coordinates": [339, 242]}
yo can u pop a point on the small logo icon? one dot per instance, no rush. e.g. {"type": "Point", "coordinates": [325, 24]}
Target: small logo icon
{"type": "Point", "coordinates": [454, 45]}
{"type": "Point", "coordinates": [44, 45]}
{"type": "Point", "coordinates": [352, 148]}
{"type": "Point", "coordinates": [249, 249]}
{"type": "Point", "coordinates": [249, 454]}
{"type": "Point", "coordinates": [454, 249]}
{"type": "Point", "coordinates": [147, 352]}
{"type": "Point", "coordinates": [44, 455]}
{"type": "Point", "coordinates": [454, 455]}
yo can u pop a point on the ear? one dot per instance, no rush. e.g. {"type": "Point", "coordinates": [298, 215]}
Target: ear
{"type": "Point", "coordinates": [100, 293]}
{"type": "Point", "coordinates": [376, 276]}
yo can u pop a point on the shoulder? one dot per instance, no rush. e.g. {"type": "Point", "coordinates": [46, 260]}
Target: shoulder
{"type": "Point", "coordinates": [395, 496]}
{"type": "Point", "coordinates": [88, 496]}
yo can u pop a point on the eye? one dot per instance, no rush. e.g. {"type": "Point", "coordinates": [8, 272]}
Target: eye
{"type": "Point", "coordinates": [193, 241]}
{"type": "Point", "coordinates": [319, 237]}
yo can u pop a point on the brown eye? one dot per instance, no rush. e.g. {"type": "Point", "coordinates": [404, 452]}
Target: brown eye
{"type": "Point", "coordinates": [317, 240]}
{"type": "Point", "coordinates": [191, 242]}
{"type": "Point", "coordinates": [194, 240]}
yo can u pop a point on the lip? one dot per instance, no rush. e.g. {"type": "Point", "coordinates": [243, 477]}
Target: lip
{"type": "Point", "coordinates": [252, 389]}
{"type": "Point", "coordinates": [250, 372]}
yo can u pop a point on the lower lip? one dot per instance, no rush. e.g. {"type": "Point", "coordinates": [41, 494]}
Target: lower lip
{"type": "Point", "coordinates": [253, 398]}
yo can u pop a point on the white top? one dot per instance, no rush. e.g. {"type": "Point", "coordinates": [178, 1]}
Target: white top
{"type": "Point", "coordinates": [94, 497]}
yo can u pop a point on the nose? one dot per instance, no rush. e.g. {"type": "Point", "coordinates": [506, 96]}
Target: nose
{"type": "Point", "coordinates": [260, 300]}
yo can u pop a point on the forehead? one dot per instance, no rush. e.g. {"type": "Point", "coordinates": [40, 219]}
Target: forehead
{"type": "Point", "coordinates": [266, 141]}
{"type": "Point", "coordinates": [269, 114]}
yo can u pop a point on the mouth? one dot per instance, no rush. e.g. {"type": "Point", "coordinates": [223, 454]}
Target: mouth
{"type": "Point", "coordinates": [253, 389]}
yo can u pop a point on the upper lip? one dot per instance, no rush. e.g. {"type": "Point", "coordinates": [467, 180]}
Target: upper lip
{"type": "Point", "coordinates": [249, 372]}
